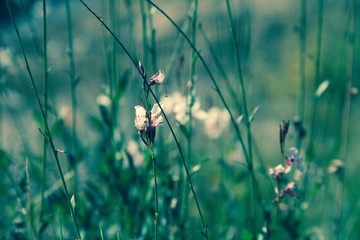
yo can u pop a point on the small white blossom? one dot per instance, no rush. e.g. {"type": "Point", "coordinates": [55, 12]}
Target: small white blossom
{"type": "Point", "coordinates": [178, 105]}
{"type": "Point", "coordinates": [142, 119]}
{"type": "Point", "coordinates": [216, 122]}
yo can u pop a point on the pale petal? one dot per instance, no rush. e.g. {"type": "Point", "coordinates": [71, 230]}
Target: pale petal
{"type": "Point", "coordinates": [140, 111]}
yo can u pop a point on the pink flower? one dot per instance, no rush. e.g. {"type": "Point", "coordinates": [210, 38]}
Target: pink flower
{"type": "Point", "coordinates": [279, 170]}
{"type": "Point", "coordinates": [289, 190]}
{"type": "Point", "coordinates": [292, 157]}
{"type": "Point", "coordinates": [158, 78]}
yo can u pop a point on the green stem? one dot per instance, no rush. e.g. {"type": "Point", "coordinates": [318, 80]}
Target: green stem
{"type": "Point", "coordinates": [302, 68]}
{"type": "Point", "coordinates": [316, 76]}
{"type": "Point", "coordinates": [191, 101]}
{"type": "Point", "coordinates": [246, 115]}
{"type": "Point", "coordinates": [221, 70]}
{"type": "Point", "coordinates": [345, 128]}
{"type": "Point", "coordinates": [47, 128]}
{"type": "Point", "coordinates": [45, 141]}
{"type": "Point", "coordinates": [153, 40]}
{"type": "Point", "coordinates": [144, 32]}
{"type": "Point", "coordinates": [156, 213]}
{"type": "Point", "coordinates": [74, 83]}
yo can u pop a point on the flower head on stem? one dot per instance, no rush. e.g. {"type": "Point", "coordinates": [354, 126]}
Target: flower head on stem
{"type": "Point", "coordinates": [146, 122]}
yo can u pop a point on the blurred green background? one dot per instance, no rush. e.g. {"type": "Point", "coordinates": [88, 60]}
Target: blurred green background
{"type": "Point", "coordinates": [112, 188]}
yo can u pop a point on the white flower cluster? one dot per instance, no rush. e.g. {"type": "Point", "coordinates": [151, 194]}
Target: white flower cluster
{"type": "Point", "coordinates": [215, 120]}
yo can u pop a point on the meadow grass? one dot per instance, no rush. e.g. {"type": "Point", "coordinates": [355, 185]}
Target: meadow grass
{"type": "Point", "coordinates": [259, 121]}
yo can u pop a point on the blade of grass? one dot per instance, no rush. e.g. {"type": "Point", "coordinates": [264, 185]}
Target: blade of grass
{"type": "Point", "coordinates": [73, 87]}
{"type": "Point", "coordinates": [191, 101]}
{"type": "Point", "coordinates": [349, 56]}
{"type": "Point", "coordinates": [45, 108]}
{"type": "Point", "coordinates": [302, 67]}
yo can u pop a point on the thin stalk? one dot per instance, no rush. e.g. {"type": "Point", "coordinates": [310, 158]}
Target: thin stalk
{"type": "Point", "coordinates": [164, 114]}
{"type": "Point", "coordinates": [144, 32]}
{"type": "Point", "coordinates": [113, 74]}
{"type": "Point", "coordinates": [156, 213]}
{"type": "Point", "coordinates": [73, 88]}
{"type": "Point", "coordinates": [242, 84]}
{"type": "Point", "coordinates": [221, 69]}
{"type": "Point", "coordinates": [60, 226]}
{"type": "Point", "coordinates": [101, 233]}
{"type": "Point", "coordinates": [191, 101]}
{"type": "Point", "coordinates": [310, 153]}
{"type": "Point", "coordinates": [176, 53]}
{"type": "Point", "coordinates": [216, 86]}
{"type": "Point", "coordinates": [113, 51]}
{"type": "Point", "coordinates": [345, 128]}
{"type": "Point", "coordinates": [2, 107]}
{"type": "Point", "coordinates": [246, 115]}
{"type": "Point", "coordinates": [302, 67]}
{"type": "Point", "coordinates": [45, 107]}
{"type": "Point", "coordinates": [316, 76]}
{"type": "Point", "coordinates": [47, 128]}
{"type": "Point", "coordinates": [28, 198]}
{"type": "Point", "coordinates": [153, 47]}
{"type": "Point", "coordinates": [130, 21]}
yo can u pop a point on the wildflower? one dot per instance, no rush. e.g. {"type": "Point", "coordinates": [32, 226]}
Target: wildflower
{"type": "Point", "coordinates": [337, 167]}
{"type": "Point", "coordinates": [293, 156]}
{"type": "Point", "coordinates": [216, 121]}
{"type": "Point", "coordinates": [6, 58]}
{"type": "Point", "coordinates": [158, 78]}
{"type": "Point", "coordinates": [134, 154]}
{"type": "Point", "coordinates": [103, 100]}
{"type": "Point", "coordinates": [177, 104]}
{"type": "Point", "coordinates": [289, 190]}
{"type": "Point", "coordinates": [146, 122]}
{"type": "Point", "coordinates": [142, 119]}
{"type": "Point", "coordinates": [278, 171]}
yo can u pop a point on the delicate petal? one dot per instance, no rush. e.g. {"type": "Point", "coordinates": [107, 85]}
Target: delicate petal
{"type": "Point", "coordinates": [294, 157]}
{"type": "Point", "coordinates": [141, 121]}
{"type": "Point", "coordinates": [157, 121]}
{"type": "Point", "coordinates": [278, 171]}
{"type": "Point", "coordinates": [156, 111]}
{"type": "Point", "coordinates": [158, 77]}
{"type": "Point", "coordinates": [140, 111]}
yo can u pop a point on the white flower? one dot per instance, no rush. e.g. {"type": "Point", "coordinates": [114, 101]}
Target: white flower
{"type": "Point", "coordinates": [158, 77]}
{"type": "Point", "coordinates": [103, 100]}
{"type": "Point", "coordinates": [142, 119]}
{"type": "Point", "coordinates": [293, 156]}
{"type": "Point", "coordinates": [279, 170]}
{"type": "Point", "coordinates": [216, 121]}
{"type": "Point", "coordinates": [178, 104]}
{"type": "Point", "coordinates": [156, 118]}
